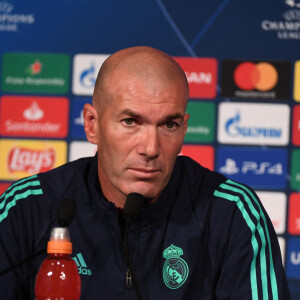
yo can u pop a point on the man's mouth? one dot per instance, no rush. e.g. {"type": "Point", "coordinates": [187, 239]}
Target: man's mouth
{"type": "Point", "coordinates": [145, 172]}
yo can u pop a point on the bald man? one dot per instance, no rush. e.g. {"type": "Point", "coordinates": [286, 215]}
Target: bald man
{"type": "Point", "coordinates": [138, 121]}
{"type": "Point", "coordinates": [196, 234]}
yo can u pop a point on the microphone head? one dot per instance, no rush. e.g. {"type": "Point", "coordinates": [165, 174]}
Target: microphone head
{"type": "Point", "coordinates": [133, 205]}
{"type": "Point", "coordinates": [66, 212]}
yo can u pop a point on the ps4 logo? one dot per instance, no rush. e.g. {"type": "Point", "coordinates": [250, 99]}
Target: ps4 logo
{"type": "Point", "coordinates": [253, 167]}
{"type": "Point", "coordinates": [257, 167]}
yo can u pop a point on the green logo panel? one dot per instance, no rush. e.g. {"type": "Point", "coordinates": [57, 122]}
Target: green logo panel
{"type": "Point", "coordinates": [201, 125]}
{"type": "Point", "coordinates": [295, 170]}
{"type": "Point", "coordinates": [36, 73]}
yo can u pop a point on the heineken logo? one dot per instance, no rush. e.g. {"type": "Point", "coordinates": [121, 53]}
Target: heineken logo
{"type": "Point", "coordinates": [35, 73]}
{"type": "Point", "coordinates": [175, 269]}
{"type": "Point", "coordinates": [35, 68]}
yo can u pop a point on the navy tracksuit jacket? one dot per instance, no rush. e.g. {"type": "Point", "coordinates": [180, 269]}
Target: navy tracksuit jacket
{"type": "Point", "coordinates": [207, 237]}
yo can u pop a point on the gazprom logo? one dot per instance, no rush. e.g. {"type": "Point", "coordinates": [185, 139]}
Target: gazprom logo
{"type": "Point", "coordinates": [85, 69]}
{"type": "Point", "coordinates": [233, 128]}
{"type": "Point", "coordinates": [88, 76]}
{"type": "Point", "coordinates": [253, 123]}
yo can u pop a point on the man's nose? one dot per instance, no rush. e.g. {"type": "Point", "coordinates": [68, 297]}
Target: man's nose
{"type": "Point", "coordinates": [150, 143]}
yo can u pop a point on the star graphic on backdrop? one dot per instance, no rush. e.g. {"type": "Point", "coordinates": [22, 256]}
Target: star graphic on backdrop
{"type": "Point", "coordinates": [36, 67]}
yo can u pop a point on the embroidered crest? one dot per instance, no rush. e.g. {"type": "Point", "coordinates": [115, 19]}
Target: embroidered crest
{"type": "Point", "coordinates": [175, 270]}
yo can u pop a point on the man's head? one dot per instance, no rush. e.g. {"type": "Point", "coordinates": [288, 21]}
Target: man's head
{"type": "Point", "coordinates": [138, 121]}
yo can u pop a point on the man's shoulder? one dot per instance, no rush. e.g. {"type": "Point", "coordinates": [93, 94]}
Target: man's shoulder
{"type": "Point", "coordinates": [211, 189]}
{"type": "Point", "coordinates": [211, 182]}
{"type": "Point", "coordinates": [53, 182]}
{"type": "Point", "coordinates": [59, 179]}
{"type": "Point", "coordinates": [43, 191]}
{"type": "Point", "coordinates": [69, 169]}
{"type": "Point", "coordinates": [198, 175]}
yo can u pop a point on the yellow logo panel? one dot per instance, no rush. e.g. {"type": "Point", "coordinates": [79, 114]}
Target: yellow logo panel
{"type": "Point", "coordinates": [22, 158]}
{"type": "Point", "coordinates": [297, 81]}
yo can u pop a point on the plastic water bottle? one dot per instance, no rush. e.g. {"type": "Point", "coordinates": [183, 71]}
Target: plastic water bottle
{"type": "Point", "coordinates": [58, 277]}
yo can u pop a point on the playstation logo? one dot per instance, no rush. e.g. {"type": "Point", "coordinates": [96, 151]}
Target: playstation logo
{"type": "Point", "coordinates": [230, 167]}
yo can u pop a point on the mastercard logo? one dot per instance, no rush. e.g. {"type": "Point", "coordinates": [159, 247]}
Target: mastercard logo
{"type": "Point", "coordinates": [260, 76]}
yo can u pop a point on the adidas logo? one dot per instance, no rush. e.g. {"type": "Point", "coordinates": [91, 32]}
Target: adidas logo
{"type": "Point", "coordinates": [82, 267]}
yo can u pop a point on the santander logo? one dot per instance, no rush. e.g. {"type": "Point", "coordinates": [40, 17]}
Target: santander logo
{"type": "Point", "coordinates": [34, 116]}
{"type": "Point", "coordinates": [33, 113]}
{"type": "Point", "coordinates": [31, 161]}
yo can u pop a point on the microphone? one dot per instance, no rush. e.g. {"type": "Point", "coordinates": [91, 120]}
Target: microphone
{"type": "Point", "coordinates": [132, 207]}
{"type": "Point", "coordinates": [64, 217]}
{"type": "Point", "coordinates": [66, 212]}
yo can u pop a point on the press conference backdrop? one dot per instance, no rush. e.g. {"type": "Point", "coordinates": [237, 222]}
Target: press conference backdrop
{"type": "Point", "coordinates": [242, 61]}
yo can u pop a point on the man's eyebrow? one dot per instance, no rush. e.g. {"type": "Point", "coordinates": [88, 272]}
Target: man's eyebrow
{"type": "Point", "coordinates": [136, 115]}
{"type": "Point", "coordinates": [130, 113]}
{"type": "Point", "coordinates": [175, 116]}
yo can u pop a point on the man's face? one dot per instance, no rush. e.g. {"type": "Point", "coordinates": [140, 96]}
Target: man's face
{"type": "Point", "coordinates": [140, 133]}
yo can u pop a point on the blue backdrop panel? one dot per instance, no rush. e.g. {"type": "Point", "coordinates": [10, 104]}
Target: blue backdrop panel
{"type": "Point", "coordinates": [226, 30]}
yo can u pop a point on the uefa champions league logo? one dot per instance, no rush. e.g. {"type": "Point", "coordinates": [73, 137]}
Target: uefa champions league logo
{"type": "Point", "coordinates": [293, 3]}
{"type": "Point", "coordinates": [6, 7]}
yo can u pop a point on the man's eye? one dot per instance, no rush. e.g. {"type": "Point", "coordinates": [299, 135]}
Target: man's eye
{"type": "Point", "coordinates": [170, 125]}
{"type": "Point", "coordinates": [128, 121]}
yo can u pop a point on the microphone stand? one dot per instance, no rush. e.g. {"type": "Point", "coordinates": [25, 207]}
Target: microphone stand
{"type": "Point", "coordinates": [65, 214]}
{"type": "Point", "coordinates": [132, 207]}
{"type": "Point", "coordinates": [3, 272]}
{"type": "Point", "coordinates": [138, 292]}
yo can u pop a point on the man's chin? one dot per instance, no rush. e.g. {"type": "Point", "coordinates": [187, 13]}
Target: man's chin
{"type": "Point", "coordinates": [150, 192]}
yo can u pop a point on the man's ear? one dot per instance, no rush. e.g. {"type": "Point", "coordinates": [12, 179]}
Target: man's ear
{"type": "Point", "coordinates": [185, 122]}
{"type": "Point", "coordinates": [90, 117]}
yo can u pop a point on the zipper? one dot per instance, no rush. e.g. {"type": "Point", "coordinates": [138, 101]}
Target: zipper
{"type": "Point", "coordinates": [128, 279]}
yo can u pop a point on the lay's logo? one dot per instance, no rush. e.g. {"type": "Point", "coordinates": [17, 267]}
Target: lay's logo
{"type": "Point", "coordinates": [22, 158]}
{"type": "Point", "coordinates": [30, 160]}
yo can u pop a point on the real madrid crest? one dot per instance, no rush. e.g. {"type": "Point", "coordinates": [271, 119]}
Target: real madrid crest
{"type": "Point", "coordinates": [175, 270]}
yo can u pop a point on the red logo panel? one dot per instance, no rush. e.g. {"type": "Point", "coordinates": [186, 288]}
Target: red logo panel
{"type": "Point", "coordinates": [31, 116]}
{"type": "Point", "coordinates": [296, 125]}
{"type": "Point", "coordinates": [201, 74]}
{"type": "Point", "coordinates": [3, 187]}
{"type": "Point", "coordinates": [204, 155]}
{"type": "Point", "coordinates": [294, 214]}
